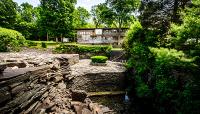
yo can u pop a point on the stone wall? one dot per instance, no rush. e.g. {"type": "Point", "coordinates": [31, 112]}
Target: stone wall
{"type": "Point", "coordinates": [23, 90]}
{"type": "Point", "coordinates": [50, 84]}
{"type": "Point", "coordinates": [97, 82]}
{"type": "Point", "coordinates": [85, 76]}
{"type": "Point", "coordinates": [20, 88]}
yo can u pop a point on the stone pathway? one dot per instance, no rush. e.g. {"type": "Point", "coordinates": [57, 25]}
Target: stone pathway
{"type": "Point", "coordinates": [84, 67]}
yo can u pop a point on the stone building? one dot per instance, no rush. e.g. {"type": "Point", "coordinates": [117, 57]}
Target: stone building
{"type": "Point", "coordinates": [101, 36]}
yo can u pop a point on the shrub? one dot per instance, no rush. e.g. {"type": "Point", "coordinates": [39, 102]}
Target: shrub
{"type": "Point", "coordinates": [10, 40]}
{"type": "Point", "coordinates": [161, 78]}
{"type": "Point", "coordinates": [31, 43]}
{"type": "Point", "coordinates": [81, 49]}
{"type": "Point", "coordinates": [99, 59]}
{"type": "Point", "coordinates": [133, 35]}
{"type": "Point", "coordinates": [44, 45]}
{"type": "Point", "coordinates": [197, 60]}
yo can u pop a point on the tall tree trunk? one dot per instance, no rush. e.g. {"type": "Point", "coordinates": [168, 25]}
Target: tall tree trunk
{"type": "Point", "coordinates": [61, 38]}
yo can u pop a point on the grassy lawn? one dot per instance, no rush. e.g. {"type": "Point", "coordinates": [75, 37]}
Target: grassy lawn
{"type": "Point", "coordinates": [117, 49]}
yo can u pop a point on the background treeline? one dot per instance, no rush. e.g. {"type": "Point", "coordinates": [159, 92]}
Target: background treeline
{"type": "Point", "coordinates": [56, 19]}
{"type": "Point", "coordinates": [51, 20]}
{"type": "Point", "coordinates": [163, 57]}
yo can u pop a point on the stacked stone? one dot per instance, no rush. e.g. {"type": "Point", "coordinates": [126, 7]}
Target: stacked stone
{"type": "Point", "coordinates": [20, 88]}
{"type": "Point", "coordinates": [29, 90]}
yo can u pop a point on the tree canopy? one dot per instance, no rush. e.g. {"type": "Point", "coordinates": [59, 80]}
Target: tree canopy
{"type": "Point", "coordinates": [81, 17]}
{"type": "Point", "coordinates": [8, 13]}
{"type": "Point", "coordinates": [57, 17]}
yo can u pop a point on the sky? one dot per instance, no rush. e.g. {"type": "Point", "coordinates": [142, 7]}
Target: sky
{"type": "Point", "coordinates": [83, 3]}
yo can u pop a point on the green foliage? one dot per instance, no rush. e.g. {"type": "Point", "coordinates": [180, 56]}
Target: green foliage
{"type": "Point", "coordinates": [57, 17]}
{"type": "Point", "coordinates": [99, 59]}
{"type": "Point", "coordinates": [31, 43]}
{"type": "Point", "coordinates": [96, 13]}
{"type": "Point", "coordinates": [162, 78]}
{"type": "Point", "coordinates": [80, 16]}
{"type": "Point", "coordinates": [170, 59]}
{"type": "Point", "coordinates": [134, 34]}
{"type": "Point", "coordinates": [76, 48]}
{"type": "Point", "coordinates": [171, 69]}
{"type": "Point", "coordinates": [142, 89]}
{"type": "Point", "coordinates": [186, 36]}
{"type": "Point", "coordinates": [44, 45]}
{"type": "Point", "coordinates": [27, 12]}
{"type": "Point", "coordinates": [11, 40]}
{"type": "Point", "coordinates": [26, 21]}
{"type": "Point", "coordinates": [112, 15]}
{"type": "Point", "coordinates": [197, 60]}
{"type": "Point", "coordinates": [8, 13]}
{"type": "Point", "coordinates": [27, 29]}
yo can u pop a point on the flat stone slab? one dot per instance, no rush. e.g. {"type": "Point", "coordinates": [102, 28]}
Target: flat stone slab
{"type": "Point", "coordinates": [37, 59]}
{"type": "Point", "coordinates": [11, 73]}
{"type": "Point", "coordinates": [84, 67]}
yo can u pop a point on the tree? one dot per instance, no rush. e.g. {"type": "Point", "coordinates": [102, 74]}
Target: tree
{"type": "Point", "coordinates": [81, 16]}
{"type": "Point", "coordinates": [8, 13]}
{"type": "Point", "coordinates": [186, 36]}
{"type": "Point", "coordinates": [27, 12]}
{"type": "Point", "coordinates": [96, 13]}
{"type": "Point", "coordinates": [57, 17]}
{"type": "Point", "coordinates": [26, 20]}
{"type": "Point", "coordinates": [119, 12]}
{"type": "Point", "coordinates": [158, 14]}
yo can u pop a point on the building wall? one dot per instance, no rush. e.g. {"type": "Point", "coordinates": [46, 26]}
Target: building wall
{"type": "Point", "coordinates": [100, 36]}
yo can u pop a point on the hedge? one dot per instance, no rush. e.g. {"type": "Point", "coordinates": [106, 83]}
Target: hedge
{"type": "Point", "coordinates": [77, 48]}
{"type": "Point", "coordinates": [99, 59]}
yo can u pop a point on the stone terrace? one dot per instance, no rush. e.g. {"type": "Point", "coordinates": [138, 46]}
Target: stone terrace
{"type": "Point", "coordinates": [38, 82]}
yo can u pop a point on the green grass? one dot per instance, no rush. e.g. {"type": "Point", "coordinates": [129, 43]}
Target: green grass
{"type": "Point", "coordinates": [117, 49]}
{"type": "Point", "coordinates": [53, 44]}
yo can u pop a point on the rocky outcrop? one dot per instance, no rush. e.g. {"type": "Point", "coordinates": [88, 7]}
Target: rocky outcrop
{"type": "Point", "coordinates": [20, 88]}
{"type": "Point", "coordinates": [97, 78]}
{"type": "Point", "coordinates": [55, 84]}
{"type": "Point", "coordinates": [26, 90]}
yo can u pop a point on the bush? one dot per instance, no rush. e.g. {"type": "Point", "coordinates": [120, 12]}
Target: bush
{"type": "Point", "coordinates": [81, 49]}
{"type": "Point", "coordinates": [44, 45]}
{"type": "Point", "coordinates": [99, 59]}
{"type": "Point", "coordinates": [10, 40]}
{"type": "Point", "coordinates": [31, 43]}
{"type": "Point", "coordinates": [133, 35]}
{"type": "Point", "coordinates": [161, 79]}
